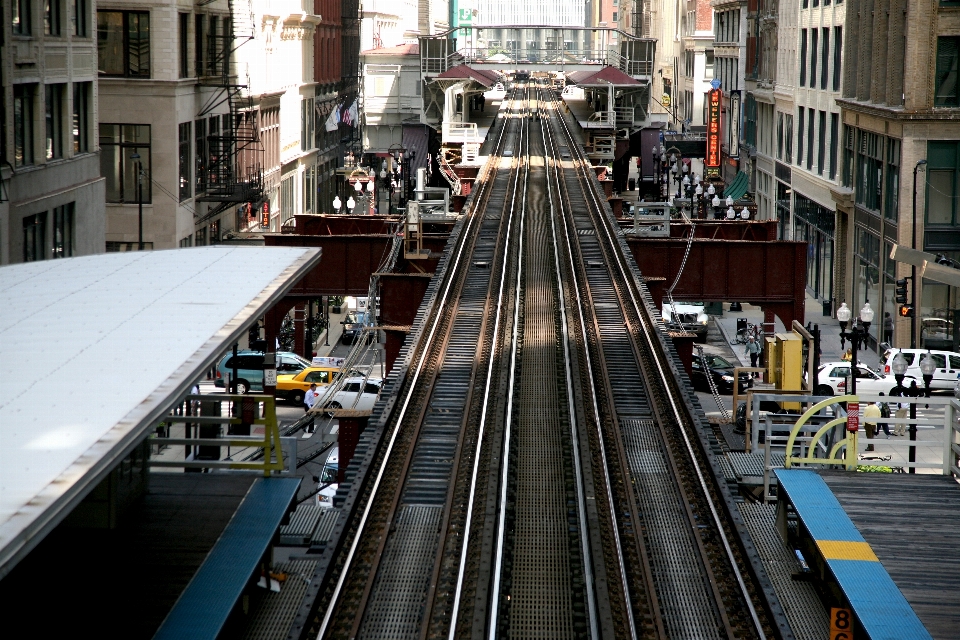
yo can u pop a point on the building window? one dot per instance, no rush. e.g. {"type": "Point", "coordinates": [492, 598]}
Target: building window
{"type": "Point", "coordinates": [199, 22]}
{"type": "Point", "coordinates": [822, 144]}
{"type": "Point", "coordinates": [63, 230]}
{"type": "Point", "coordinates": [123, 43]}
{"type": "Point", "coordinates": [824, 57]}
{"type": "Point", "coordinates": [837, 49]}
{"type": "Point", "coordinates": [184, 40]}
{"type": "Point", "coordinates": [200, 237]}
{"type": "Point", "coordinates": [186, 242]}
{"type": "Point", "coordinates": [810, 132]}
{"type": "Point", "coordinates": [948, 56]}
{"type": "Point", "coordinates": [834, 143]}
{"type": "Point", "coordinates": [212, 34]}
{"type": "Point", "coordinates": [869, 170]}
{"type": "Point", "coordinates": [800, 113]}
{"type": "Point", "coordinates": [21, 17]}
{"type": "Point", "coordinates": [942, 184]}
{"type": "Point", "coordinates": [81, 19]}
{"type": "Point", "coordinates": [35, 237]}
{"type": "Point", "coordinates": [814, 38]}
{"type": "Point", "coordinates": [81, 116]}
{"type": "Point", "coordinates": [780, 135]}
{"type": "Point", "coordinates": [287, 198]}
{"type": "Point", "coordinates": [788, 138]}
{"type": "Point", "coordinates": [307, 120]}
{"type": "Point", "coordinates": [118, 142]}
{"type": "Point", "coordinates": [23, 101]}
{"type": "Point", "coordinates": [52, 14]}
{"type": "Point", "coordinates": [803, 57]}
{"type": "Point", "coordinates": [891, 196]}
{"type": "Point", "coordinates": [309, 190]}
{"type": "Point", "coordinates": [185, 161]}
{"type": "Point", "coordinates": [215, 232]}
{"type": "Point", "coordinates": [54, 120]}
{"type": "Point", "coordinates": [848, 148]}
{"type": "Point", "coordinates": [200, 153]}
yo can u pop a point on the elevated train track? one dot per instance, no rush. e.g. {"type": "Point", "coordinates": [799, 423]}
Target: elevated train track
{"type": "Point", "coordinates": [535, 468]}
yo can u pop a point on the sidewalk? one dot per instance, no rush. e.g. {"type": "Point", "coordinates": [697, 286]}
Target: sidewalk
{"type": "Point", "coordinates": [829, 332]}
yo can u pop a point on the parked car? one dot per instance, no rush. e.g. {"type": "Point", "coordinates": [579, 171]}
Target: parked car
{"type": "Point", "coordinates": [250, 369]}
{"type": "Point", "coordinates": [356, 394]}
{"type": "Point", "coordinates": [293, 387]}
{"type": "Point", "coordinates": [353, 324]}
{"type": "Point", "coordinates": [832, 380]}
{"type": "Point", "coordinates": [722, 372]}
{"type": "Point", "coordinates": [691, 315]}
{"type": "Point", "coordinates": [945, 375]}
{"type": "Point", "coordinates": [327, 480]}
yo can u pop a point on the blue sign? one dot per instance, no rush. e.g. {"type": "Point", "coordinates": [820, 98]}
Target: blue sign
{"type": "Point", "coordinates": [715, 83]}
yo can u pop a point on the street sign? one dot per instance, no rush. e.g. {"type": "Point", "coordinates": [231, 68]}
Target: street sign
{"type": "Point", "coordinates": [265, 215]}
{"type": "Point", "coordinates": [853, 417]}
{"type": "Point", "coordinates": [269, 377]}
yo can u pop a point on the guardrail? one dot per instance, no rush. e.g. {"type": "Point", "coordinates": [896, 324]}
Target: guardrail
{"type": "Point", "coordinates": [241, 411]}
{"type": "Point", "coordinates": [820, 438]}
{"type": "Point", "coordinates": [460, 132]}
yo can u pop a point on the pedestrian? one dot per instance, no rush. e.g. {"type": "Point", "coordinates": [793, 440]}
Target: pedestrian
{"type": "Point", "coordinates": [899, 428]}
{"type": "Point", "coordinates": [752, 349]}
{"type": "Point", "coordinates": [887, 328]}
{"type": "Point", "coordinates": [870, 415]}
{"type": "Point", "coordinates": [884, 413]}
{"type": "Point", "coordinates": [309, 398]}
{"type": "Point", "coordinates": [483, 102]}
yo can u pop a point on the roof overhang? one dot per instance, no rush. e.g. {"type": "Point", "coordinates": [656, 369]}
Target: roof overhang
{"type": "Point", "coordinates": [95, 350]}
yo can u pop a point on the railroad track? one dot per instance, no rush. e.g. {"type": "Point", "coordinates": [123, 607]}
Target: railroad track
{"type": "Point", "coordinates": [535, 470]}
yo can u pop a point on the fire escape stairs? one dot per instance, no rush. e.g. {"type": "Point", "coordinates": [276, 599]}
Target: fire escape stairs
{"type": "Point", "coordinates": [237, 141]}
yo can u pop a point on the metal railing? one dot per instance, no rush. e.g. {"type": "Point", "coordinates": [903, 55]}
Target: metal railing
{"type": "Point", "coordinates": [230, 410]}
{"type": "Point", "coordinates": [460, 132]}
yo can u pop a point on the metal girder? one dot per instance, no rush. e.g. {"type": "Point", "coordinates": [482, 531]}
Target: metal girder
{"type": "Point", "coordinates": [400, 296]}
{"type": "Point", "coordinates": [346, 266]}
{"type": "Point", "coordinates": [311, 224]}
{"type": "Point", "coordinates": [769, 274]}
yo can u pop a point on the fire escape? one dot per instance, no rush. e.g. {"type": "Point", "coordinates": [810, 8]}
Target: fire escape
{"type": "Point", "coordinates": [230, 172]}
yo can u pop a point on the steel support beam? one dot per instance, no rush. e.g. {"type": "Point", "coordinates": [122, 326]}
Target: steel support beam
{"type": "Point", "coordinates": [769, 274]}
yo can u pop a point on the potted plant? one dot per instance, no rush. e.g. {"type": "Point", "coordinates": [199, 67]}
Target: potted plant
{"type": "Point", "coordinates": [336, 302]}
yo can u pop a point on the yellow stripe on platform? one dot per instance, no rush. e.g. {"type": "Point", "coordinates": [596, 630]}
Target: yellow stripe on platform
{"type": "Point", "coordinates": [845, 550]}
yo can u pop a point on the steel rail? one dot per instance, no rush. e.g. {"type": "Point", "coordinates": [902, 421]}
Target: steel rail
{"type": "Point", "coordinates": [658, 359]}
{"type": "Point", "coordinates": [461, 572]}
{"type": "Point", "coordinates": [425, 348]}
{"type": "Point", "coordinates": [575, 287]}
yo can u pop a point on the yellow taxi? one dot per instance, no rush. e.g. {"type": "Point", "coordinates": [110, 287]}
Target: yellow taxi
{"type": "Point", "coordinates": [293, 387]}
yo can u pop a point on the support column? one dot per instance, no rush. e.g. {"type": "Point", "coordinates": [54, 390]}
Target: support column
{"type": "Point", "coordinates": [351, 424]}
{"type": "Point", "coordinates": [298, 328]}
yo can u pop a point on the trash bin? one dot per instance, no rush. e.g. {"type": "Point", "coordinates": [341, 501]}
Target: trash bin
{"type": "Point", "coordinates": [741, 324]}
{"type": "Point", "coordinates": [827, 308]}
{"type": "Point", "coordinates": [631, 184]}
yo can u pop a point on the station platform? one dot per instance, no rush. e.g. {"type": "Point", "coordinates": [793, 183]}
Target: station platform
{"type": "Point", "coordinates": [140, 568]}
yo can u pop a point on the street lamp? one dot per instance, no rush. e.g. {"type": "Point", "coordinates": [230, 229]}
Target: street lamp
{"type": "Point", "coordinates": [745, 213]}
{"type": "Point", "coordinates": [351, 203]}
{"type": "Point", "coordinates": [731, 213]}
{"type": "Point", "coordinates": [699, 192]}
{"type": "Point", "coordinates": [136, 158]}
{"type": "Point", "coordinates": [856, 335]}
{"type": "Point", "coordinates": [927, 368]}
{"type": "Point", "coordinates": [913, 245]}
{"type": "Point", "coordinates": [337, 203]}
{"type": "Point", "coordinates": [716, 205]}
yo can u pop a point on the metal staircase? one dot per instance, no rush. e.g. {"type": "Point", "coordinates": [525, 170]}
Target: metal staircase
{"type": "Point", "coordinates": [232, 169]}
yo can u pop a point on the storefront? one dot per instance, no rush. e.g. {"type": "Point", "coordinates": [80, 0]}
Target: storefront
{"type": "Point", "coordinates": [815, 226]}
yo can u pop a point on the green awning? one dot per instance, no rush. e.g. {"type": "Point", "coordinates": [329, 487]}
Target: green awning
{"type": "Point", "coordinates": [738, 188]}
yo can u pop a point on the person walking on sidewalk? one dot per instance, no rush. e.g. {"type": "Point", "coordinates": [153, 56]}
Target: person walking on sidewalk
{"type": "Point", "coordinates": [900, 429]}
{"type": "Point", "coordinates": [752, 349]}
{"type": "Point", "coordinates": [888, 328]}
{"type": "Point", "coordinates": [309, 399]}
{"type": "Point", "coordinates": [884, 413]}
{"type": "Point", "coordinates": [870, 415]}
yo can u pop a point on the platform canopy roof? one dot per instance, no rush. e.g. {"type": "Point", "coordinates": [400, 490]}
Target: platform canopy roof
{"type": "Point", "coordinates": [603, 78]}
{"type": "Point", "coordinates": [95, 350]}
{"type": "Point", "coordinates": [465, 72]}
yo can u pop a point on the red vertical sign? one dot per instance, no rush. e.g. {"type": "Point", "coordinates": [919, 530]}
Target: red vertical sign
{"type": "Point", "coordinates": [712, 161]}
{"type": "Point", "coordinates": [853, 417]}
{"type": "Point", "coordinates": [265, 215]}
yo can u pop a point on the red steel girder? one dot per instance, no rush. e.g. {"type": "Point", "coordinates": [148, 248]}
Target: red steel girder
{"type": "Point", "coordinates": [345, 267]}
{"type": "Point", "coordinates": [769, 274]}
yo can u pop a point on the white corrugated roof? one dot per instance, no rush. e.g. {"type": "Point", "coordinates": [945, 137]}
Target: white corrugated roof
{"type": "Point", "coordinates": [93, 350]}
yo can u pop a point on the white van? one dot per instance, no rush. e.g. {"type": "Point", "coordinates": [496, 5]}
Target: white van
{"type": "Point", "coordinates": [944, 377]}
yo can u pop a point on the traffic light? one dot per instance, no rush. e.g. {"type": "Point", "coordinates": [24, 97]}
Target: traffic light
{"type": "Point", "coordinates": [906, 311]}
{"type": "Point", "coordinates": [901, 292]}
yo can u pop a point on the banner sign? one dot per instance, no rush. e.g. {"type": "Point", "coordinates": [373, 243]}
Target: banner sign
{"type": "Point", "coordinates": [712, 161]}
{"type": "Point", "coordinates": [853, 417]}
{"type": "Point", "coordinates": [265, 215]}
{"type": "Point", "coordinates": [734, 115]}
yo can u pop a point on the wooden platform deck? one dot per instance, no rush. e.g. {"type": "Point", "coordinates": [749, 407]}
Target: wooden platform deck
{"type": "Point", "coordinates": [913, 524]}
{"type": "Point", "coordinates": [122, 583]}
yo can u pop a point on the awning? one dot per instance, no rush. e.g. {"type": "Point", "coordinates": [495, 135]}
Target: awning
{"type": "Point", "coordinates": [739, 187]}
{"type": "Point", "coordinates": [603, 78]}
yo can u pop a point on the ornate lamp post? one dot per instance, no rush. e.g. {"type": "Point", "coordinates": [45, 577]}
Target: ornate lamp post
{"type": "Point", "coordinates": [337, 203]}
{"type": "Point", "coordinates": [856, 335]}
